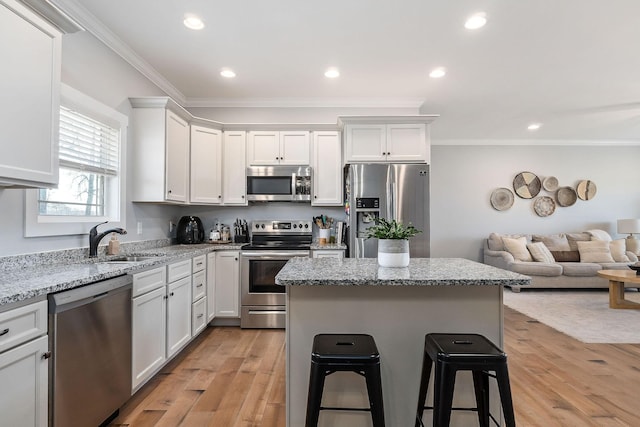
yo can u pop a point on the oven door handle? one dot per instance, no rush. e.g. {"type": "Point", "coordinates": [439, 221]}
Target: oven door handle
{"type": "Point", "coordinates": [270, 254]}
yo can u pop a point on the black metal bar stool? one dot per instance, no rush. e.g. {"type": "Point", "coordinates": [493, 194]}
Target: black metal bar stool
{"type": "Point", "coordinates": [463, 352]}
{"type": "Point", "coordinates": [353, 353]}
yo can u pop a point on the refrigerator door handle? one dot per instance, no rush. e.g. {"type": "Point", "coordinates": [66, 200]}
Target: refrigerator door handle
{"type": "Point", "coordinates": [390, 211]}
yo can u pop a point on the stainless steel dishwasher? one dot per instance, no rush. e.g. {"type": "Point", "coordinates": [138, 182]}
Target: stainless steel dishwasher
{"type": "Point", "coordinates": [90, 340]}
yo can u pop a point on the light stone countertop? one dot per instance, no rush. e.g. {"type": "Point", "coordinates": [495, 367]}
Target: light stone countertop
{"type": "Point", "coordinates": [23, 283]}
{"type": "Point", "coordinates": [420, 272]}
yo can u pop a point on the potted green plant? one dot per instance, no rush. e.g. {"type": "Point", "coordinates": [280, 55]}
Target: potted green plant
{"type": "Point", "coordinates": [393, 241]}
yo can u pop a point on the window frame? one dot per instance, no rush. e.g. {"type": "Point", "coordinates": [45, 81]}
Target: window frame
{"type": "Point", "coordinates": [115, 210]}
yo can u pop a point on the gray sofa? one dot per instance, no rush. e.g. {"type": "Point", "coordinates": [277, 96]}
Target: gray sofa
{"type": "Point", "coordinates": [556, 274]}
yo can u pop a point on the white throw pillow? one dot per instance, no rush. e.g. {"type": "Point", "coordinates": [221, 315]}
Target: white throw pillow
{"type": "Point", "coordinates": [517, 248]}
{"type": "Point", "coordinates": [618, 250]}
{"type": "Point", "coordinates": [540, 252]}
{"type": "Point", "coordinates": [599, 235]}
{"type": "Point", "coordinates": [594, 251]}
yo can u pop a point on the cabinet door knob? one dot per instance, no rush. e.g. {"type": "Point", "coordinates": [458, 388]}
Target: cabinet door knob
{"type": "Point", "coordinates": [219, 196]}
{"type": "Point", "coordinates": [315, 197]}
{"type": "Point", "coordinates": [171, 294]}
{"type": "Point", "coordinates": [243, 196]}
{"type": "Point", "coordinates": [46, 355]}
{"type": "Point", "coordinates": [236, 258]}
{"type": "Point", "coordinates": [4, 332]}
{"type": "Point", "coordinates": [169, 192]}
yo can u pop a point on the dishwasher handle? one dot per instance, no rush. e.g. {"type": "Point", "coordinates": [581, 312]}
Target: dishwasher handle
{"type": "Point", "coordinates": [89, 293]}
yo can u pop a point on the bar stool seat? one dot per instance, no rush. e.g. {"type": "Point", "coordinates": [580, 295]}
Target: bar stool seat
{"type": "Point", "coordinates": [463, 352]}
{"type": "Point", "coordinates": [344, 352]}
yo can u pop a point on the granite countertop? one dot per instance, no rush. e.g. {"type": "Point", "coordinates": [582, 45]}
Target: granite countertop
{"type": "Point", "coordinates": [420, 272]}
{"type": "Point", "coordinates": [22, 283]}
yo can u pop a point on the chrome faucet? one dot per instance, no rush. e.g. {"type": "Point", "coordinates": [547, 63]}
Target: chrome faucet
{"type": "Point", "coordinates": [95, 237]}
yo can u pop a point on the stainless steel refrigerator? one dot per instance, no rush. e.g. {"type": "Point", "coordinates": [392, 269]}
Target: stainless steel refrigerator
{"type": "Point", "coordinates": [390, 191]}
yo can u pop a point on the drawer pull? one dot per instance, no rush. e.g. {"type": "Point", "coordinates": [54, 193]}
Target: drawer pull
{"type": "Point", "coordinates": [199, 316]}
{"type": "Point", "coordinates": [199, 286]}
{"type": "Point", "coordinates": [4, 332]}
{"type": "Point", "coordinates": [46, 355]}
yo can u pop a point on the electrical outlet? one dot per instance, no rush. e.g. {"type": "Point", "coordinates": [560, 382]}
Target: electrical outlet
{"type": "Point", "coordinates": [139, 228]}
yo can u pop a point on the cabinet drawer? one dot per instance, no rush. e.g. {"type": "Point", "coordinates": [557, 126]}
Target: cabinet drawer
{"type": "Point", "coordinates": [178, 270]}
{"type": "Point", "coordinates": [149, 280]}
{"type": "Point", "coordinates": [198, 316]}
{"type": "Point", "coordinates": [198, 286]}
{"type": "Point", "coordinates": [199, 263]}
{"type": "Point", "coordinates": [22, 324]}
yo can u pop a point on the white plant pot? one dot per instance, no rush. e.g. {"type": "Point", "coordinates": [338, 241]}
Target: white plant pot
{"type": "Point", "coordinates": [393, 253]}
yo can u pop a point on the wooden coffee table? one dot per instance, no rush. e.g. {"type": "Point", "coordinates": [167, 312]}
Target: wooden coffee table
{"type": "Point", "coordinates": [617, 279]}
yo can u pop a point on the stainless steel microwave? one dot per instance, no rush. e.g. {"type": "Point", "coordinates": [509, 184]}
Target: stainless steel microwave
{"type": "Point", "coordinates": [279, 183]}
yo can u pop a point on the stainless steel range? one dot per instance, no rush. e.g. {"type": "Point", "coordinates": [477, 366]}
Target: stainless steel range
{"type": "Point", "coordinates": [273, 243]}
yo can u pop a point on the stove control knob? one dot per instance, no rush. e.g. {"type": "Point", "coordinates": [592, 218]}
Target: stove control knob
{"type": "Point", "coordinates": [262, 226]}
{"type": "Point", "coordinates": [306, 226]}
{"type": "Point", "coordinates": [257, 225]}
{"type": "Point", "coordinates": [295, 226]}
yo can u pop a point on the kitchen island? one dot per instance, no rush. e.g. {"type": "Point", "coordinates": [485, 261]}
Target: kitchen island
{"type": "Point", "coordinates": [397, 306]}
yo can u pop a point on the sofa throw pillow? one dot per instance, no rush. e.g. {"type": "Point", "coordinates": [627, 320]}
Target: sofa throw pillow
{"type": "Point", "coordinates": [566, 256]}
{"type": "Point", "coordinates": [540, 252]}
{"type": "Point", "coordinates": [573, 238]}
{"type": "Point", "coordinates": [553, 242]}
{"type": "Point", "coordinates": [599, 235]}
{"type": "Point", "coordinates": [517, 248]}
{"type": "Point", "coordinates": [594, 251]}
{"type": "Point", "coordinates": [495, 242]}
{"type": "Point", "coordinates": [618, 250]}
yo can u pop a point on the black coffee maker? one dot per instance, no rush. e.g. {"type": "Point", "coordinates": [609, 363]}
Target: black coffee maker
{"type": "Point", "coordinates": [190, 230]}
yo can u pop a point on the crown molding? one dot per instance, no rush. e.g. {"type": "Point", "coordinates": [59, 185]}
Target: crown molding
{"type": "Point", "coordinates": [94, 26]}
{"type": "Point", "coordinates": [537, 142]}
{"type": "Point", "coordinates": [413, 103]}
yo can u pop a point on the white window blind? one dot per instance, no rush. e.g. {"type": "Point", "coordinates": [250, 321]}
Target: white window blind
{"type": "Point", "coordinates": [87, 144]}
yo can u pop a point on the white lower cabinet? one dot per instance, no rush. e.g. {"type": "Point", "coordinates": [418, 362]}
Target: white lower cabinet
{"type": "Point", "coordinates": [161, 317]}
{"type": "Point", "coordinates": [178, 315]}
{"type": "Point", "coordinates": [199, 316]}
{"type": "Point", "coordinates": [211, 284]}
{"type": "Point", "coordinates": [227, 284]}
{"type": "Point", "coordinates": [327, 253]}
{"type": "Point", "coordinates": [149, 336]}
{"type": "Point", "coordinates": [24, 362]}
{"type": "Point", "coordinates": [23, 375]}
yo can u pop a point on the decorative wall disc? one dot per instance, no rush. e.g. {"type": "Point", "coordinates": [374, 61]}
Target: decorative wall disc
{"type": "Point", "coordinates": [502, 199]}
{"type": "Point", "coordinates": [526, 185]}
{"type": "Point", "coordinates": [550, 184]}
{"type": "Point", "coordinates": [586, 190]}
{"type": "Point", "coordinates": [566, 196]}
{"type": "Point", "coordinates": [544, 206]}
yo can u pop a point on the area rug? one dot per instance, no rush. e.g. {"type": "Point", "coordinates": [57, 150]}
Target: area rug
{"type": "Point", "coordinates": [584, 315]}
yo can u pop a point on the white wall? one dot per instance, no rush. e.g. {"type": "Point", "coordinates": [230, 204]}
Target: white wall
{"type": "Point", "coordinates": [463, 178]}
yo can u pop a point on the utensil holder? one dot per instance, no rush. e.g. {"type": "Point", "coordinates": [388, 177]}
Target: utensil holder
{"type": "Point", "coordinates": [323, 235]}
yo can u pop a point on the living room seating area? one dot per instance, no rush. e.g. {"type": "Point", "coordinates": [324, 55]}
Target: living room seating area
{"type": "Point", "coordinates": [563, 260]}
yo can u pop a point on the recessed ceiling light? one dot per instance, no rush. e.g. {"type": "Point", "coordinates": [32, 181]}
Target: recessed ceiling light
{"type": "Point", "coordinates": [193, 22]}
{"type": "Point", "coordinates": [534, 126]}
{"type": "Point", "coordinates": [332, 73]}
{"type": "Point", "coordinates": [475, 21]}
{"type": "Point", "coordinates": [436, 73]}
{"type": "Point", "coordinates": [227, 73]}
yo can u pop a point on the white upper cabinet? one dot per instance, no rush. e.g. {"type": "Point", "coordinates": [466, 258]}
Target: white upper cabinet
{"type": "Point", "coordinates": [160, 151]}
{"type": "Point", "coordinates": [234, 174]}
{"type": "Point", "coordinates": [206, 165]}
{"type": "Point", "coordinates": [387, 139]}
{"type": "Point", "coordinates": [278, 148]}
{"type": "Point", "coordinates": [30, 85]}
{"type": "Point", "coordinates": [177, 161]}
{"type": "Point", "coordinates": [407, 143]}
{"type": "Point", "coordinates": [327, 169]}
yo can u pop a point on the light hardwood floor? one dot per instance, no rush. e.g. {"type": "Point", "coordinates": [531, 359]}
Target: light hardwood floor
{"type": "Point", "coordinates": [235, 378]}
